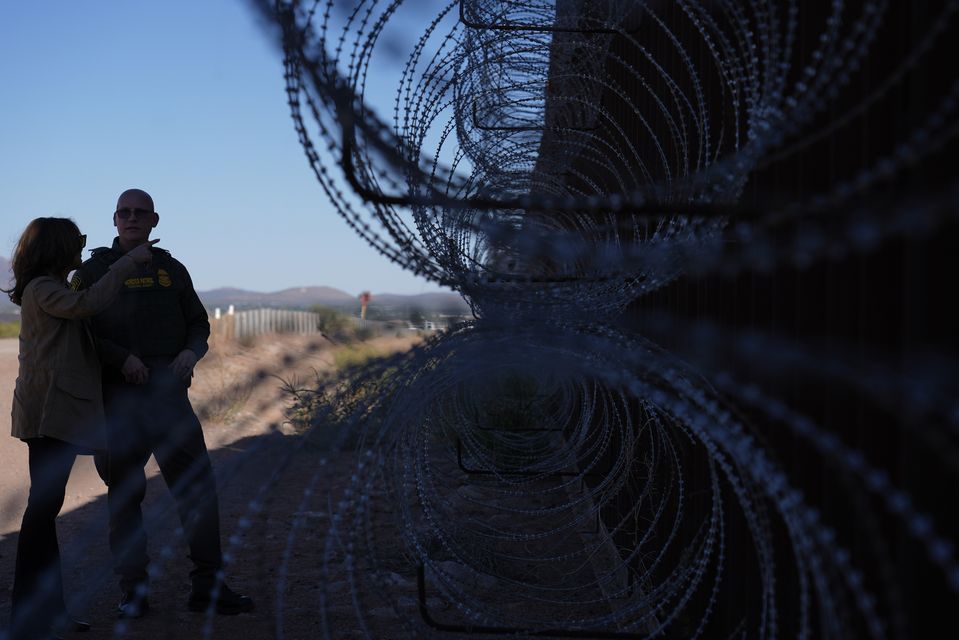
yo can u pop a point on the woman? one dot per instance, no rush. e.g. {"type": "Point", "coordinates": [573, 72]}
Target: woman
{"type": "Point", "coordinates": [57, 404]}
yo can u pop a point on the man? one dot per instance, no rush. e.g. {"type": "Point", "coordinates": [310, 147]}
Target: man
{"type": "Point", "coordinates": [150, 339]}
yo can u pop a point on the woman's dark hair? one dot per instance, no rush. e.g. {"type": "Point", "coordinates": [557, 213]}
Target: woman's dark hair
{"type": "Point", "coordinates": [46, 247]}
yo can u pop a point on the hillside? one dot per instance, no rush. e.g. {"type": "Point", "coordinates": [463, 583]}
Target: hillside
{"type": "Point", "coordinates": [302, 297]}
{"type": "Point", "coordinates": [294, 297]}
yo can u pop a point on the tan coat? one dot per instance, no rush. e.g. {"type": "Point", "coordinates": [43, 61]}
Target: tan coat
{"type": "Point", "coordinates": [58, 392]}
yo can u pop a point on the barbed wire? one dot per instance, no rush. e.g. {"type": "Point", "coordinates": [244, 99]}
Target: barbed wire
{"type": "Point", "coordinates": [549, 469]}
{"type": "Point", "coordinates": [554, 162]}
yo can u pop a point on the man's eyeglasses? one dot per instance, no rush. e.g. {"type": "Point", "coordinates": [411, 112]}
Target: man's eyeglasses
{"type": "Point", "coordinates": [83, 240]}
{"type": "Point", "coordinates": [126, 212]}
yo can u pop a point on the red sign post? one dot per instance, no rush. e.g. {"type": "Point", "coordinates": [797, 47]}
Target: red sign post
{"type": "Point", "coordinates": [365, 298]}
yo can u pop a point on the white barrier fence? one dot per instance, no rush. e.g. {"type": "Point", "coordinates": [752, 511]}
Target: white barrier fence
{"type": "Point", "coordinates": [240, 325]}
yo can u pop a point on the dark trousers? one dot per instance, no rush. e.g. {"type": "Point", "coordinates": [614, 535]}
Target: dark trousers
{"type": "Point", "coordinates": [37, 598]}
{"type": "Point", "coordinates": [157, 418]}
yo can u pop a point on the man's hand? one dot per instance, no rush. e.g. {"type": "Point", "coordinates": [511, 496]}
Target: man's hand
{"type": "Point", "coordinates": [183, 364]}
{"type": "Point", "coordinates": [134, 371]}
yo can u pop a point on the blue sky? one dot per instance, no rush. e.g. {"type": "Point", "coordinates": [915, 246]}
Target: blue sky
{"type": "Point", "coordinates": [185, 99]}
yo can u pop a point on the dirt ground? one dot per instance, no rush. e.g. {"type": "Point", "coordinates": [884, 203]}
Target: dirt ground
{"type": "Point", "coordinates": [267, 476]}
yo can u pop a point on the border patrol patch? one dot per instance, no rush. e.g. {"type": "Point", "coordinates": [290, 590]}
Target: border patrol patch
{"type": "Point", "coordinates": [164, 278]}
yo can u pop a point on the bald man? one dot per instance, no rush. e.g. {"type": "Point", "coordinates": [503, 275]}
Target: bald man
{"type": "Point", "coordinates": [150, 339]}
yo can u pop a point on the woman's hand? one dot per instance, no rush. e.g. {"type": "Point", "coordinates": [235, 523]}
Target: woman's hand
{"type": "Point", "coordinates": [142, 253]}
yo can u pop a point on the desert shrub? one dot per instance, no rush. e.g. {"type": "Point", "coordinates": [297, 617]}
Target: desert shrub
{"type": "Point", "coordinates": [331, 398]}
{"type": "Point", "coordinates": [222, 407]}
{"type": "Point", "coordinates": [363, 333]}
{"type": "Point", "coordinates": [331, 322]}
{"type": "Point", "coordinates": [353, 354]}
{"type": "Point", "coordinates": [227, 400]}
{"type": "Point", "coordinates": [356, 377]}
{"type": "Point", "coordinates": [305, 401]}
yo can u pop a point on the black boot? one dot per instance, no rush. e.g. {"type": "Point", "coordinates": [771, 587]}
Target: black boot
{"type": "Point", "coordinates": [225, 600]}
{"type": "Point", "coordinates": [68, 624]}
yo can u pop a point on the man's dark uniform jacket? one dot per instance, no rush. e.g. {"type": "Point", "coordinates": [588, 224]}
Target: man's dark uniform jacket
{"type": "Point", "coordinates": [156, 315]}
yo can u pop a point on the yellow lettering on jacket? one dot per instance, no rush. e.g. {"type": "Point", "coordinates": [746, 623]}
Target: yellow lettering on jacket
{"type": "Point", "coordinates": [138, 283]}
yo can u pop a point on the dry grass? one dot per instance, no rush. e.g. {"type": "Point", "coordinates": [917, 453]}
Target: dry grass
{"type": "Point", "coordinates": [332, 392]}
{"type": "Point", "coordinates": [9, 329]}
{"type": "Point", "coordinates": [356, 354]}
{"type": "Point", "coordinates": [275, 378]}
{"type": "Point", "coordinates": [226, 398]}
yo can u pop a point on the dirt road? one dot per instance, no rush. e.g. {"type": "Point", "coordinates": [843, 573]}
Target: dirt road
{"type": "Point", "coordinates": [265, 474]}
{"type": "Point", "coordinates": [229, 414]}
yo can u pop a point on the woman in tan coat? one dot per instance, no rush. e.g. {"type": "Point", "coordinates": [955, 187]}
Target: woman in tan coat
{"type": "Point", "coordinates": [57, 403]}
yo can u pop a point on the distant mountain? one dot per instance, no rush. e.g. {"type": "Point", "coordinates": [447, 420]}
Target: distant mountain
{"type": "Point", "coordinates": [298, 297]}
{"type": "Point", "coordinates": [295, 297]}
{"type": "Point", "coordinates": [439, 301]}
{"type": "Point", "coordinates": [302, 297]}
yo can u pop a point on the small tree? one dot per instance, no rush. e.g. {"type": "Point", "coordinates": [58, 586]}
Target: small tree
{"type": "Point", "coordinates": [331, 321]}
{"type": "Point", "coordinates": [416, 317]}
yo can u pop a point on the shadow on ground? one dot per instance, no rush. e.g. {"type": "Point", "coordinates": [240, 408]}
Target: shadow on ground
{"type": "Point", "coordinates": [261, 482]}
